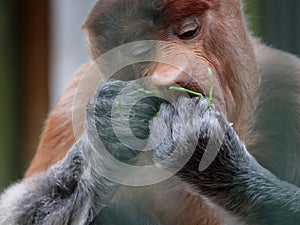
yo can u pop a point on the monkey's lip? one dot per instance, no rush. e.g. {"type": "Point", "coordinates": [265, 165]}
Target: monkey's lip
{"type": "Point", "coordinates": [195, 88]}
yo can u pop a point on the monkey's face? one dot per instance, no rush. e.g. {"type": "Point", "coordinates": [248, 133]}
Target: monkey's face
{"type": "Point", "coordinates": [196, 34]}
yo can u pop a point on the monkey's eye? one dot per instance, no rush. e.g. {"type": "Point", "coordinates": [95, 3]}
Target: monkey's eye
{"type": "Point", "coordinates": [187, 30]}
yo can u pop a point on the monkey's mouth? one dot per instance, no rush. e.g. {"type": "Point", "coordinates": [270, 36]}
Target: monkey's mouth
{"type": "Point", "coordinates": [196, 90]}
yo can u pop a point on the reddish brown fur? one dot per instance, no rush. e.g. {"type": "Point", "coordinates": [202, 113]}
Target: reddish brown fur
{"type": "Point", "coordinates": [176, 10]}
{"type": "Point", "coordinates": [58, 137]}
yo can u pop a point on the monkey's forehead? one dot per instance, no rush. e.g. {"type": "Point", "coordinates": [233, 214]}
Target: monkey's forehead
{"type": "Point", "coordinates": [116, 22]}
{"type": "Point", "coordinates": [119, 17]}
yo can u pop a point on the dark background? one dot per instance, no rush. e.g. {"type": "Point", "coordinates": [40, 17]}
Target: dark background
{"type": "Point", "coordinates": [25, 65]}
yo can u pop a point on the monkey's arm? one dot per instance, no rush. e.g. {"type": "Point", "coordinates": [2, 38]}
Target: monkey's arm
{"type": "Point", "coordinates": [66, 193]}
{"type": "Point", "coordinates": [74, 191]}
{"type": "Point", "coordinates": [234, 180]}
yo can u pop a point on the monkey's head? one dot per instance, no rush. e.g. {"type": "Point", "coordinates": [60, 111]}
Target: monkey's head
{"type": "Point", "coordinates": [199, 34]}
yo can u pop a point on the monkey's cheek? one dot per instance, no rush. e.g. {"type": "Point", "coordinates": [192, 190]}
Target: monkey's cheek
{"type": "Point", "coordinates": [220, 106]}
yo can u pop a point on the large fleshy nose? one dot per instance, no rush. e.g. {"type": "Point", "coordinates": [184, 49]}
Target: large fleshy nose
{"type": "Point", "coordinates": [165, 75]}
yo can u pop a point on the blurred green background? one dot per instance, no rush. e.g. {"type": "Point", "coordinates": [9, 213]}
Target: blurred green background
{"type": "Point", "coordinates": [25, 46]}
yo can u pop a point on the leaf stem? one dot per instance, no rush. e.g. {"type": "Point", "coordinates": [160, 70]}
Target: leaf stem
{"type": "Point", "coordinates": [149, 92]}
{"type": "Point", "coordinates": [210, 89]}
{"type": "Point", "coordinates": [173, 88]}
